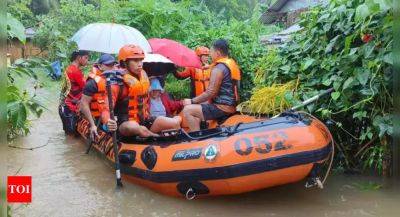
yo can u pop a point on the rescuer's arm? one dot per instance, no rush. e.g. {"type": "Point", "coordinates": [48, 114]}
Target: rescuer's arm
{"type": "Point", "coordinates": [105, 113]}
{"type": "Point", "coordinates": [85, 109]}
{"type": "Point", "coordinates": [186, 73]}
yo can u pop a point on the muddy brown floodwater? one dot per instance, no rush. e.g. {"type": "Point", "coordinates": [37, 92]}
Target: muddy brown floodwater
{"type": "Point", "coordinates": [67, 182]}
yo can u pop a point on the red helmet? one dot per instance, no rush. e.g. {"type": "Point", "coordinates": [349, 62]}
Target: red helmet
{"type": "Point", "coordinates": [130, 51]}
{"type": "Point", "coordinates": [202, 51]}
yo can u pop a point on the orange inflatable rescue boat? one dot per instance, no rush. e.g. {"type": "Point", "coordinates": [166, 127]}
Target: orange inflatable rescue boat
{"type": "Point", "coordinates": [241, 154]}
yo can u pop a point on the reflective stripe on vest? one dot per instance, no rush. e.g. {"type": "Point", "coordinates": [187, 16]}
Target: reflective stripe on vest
{"type": "Point", "coordinates": [138, 95]}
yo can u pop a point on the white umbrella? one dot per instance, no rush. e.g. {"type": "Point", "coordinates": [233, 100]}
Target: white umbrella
{"type": "Point", "coordinates": [156, 58]}
{"type": "Point", "coordinates": [157, 65]}
{"type": "Point", "coordinates": [109, 38]}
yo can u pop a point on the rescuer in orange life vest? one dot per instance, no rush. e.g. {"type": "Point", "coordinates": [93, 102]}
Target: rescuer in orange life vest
{"type": "Point", "coordinates": [200, 78]}
{"type": "Point", "coordinates": [132, 109]}
{"type": "Point", "coordinates": [222, 92]}
{"type": "Point", "coordinates": [94, 92]}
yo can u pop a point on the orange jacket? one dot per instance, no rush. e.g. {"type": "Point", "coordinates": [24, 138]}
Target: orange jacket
{"type": "Point", "coordinates": [200, 79]}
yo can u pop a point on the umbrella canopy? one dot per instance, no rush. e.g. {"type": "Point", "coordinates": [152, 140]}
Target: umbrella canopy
{"type": "Point", "coordinates": [157, 65]}
{"type": "Point", "coordinates": [109, 38]}
{"type": "Point", "coordinates": [156, 58]}
{"type": "Point", "coordinates": [178, 53]}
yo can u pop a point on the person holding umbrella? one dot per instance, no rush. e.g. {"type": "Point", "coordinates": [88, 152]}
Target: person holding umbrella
{"type": "Point", "coordinates": [133, 113]}
{"type": "Point", "coordinates": [222, 91]}
{"type": "Point", "coordinates": [94, 92]}
{"type": "Point", "coordinates": [200, 78]}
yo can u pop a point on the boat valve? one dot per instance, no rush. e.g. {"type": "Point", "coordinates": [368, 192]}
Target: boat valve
{"type": "Point", "coordinates": [190, 194]}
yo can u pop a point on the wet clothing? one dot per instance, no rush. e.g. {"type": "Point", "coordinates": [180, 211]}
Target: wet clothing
{"type": "Point", "coordinates": [157, 108]}
{"type": "Point", "coordinates": [200, 79]}
{"type": "Point", "coordinates": [123, 117]}
{"type": "Point", "coordinates": [96, 88]}
{"type": "Point", "coordinates": [69, 119]}
{"type": "Point", "coordinates": [138, 96]}
{"type": "Point", "coordinates": [225, 95]}
{"type": "Point", "coordinates": [170, 106]}
{"type": "Point", "coordinates": [212, 112]}
{"type": "Point", "coordinates": [76, 79]}
{"type": "Point", "coordinates": [120, 103]}
{"type": "Point", "coordinates": [128, 101]}
{"type": "Point", "coordinates": [148, 122]}
{"type": "Point", "coordinates": [218, 90]}
{"type": "Point", "coordinates": [90, 88]}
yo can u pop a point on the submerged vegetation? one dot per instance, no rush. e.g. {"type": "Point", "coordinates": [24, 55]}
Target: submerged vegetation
{"type": "Point", "coordinates": [345, 45]}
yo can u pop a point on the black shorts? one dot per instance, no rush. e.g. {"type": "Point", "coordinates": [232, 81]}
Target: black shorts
{"type": "Point", "coordinates": [212, 112]}
{"type": "Point", "coordinates": [147, 123]}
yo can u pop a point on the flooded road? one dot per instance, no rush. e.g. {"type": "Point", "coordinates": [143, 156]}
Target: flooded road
{"type": "Point", "coordinates": [67, 182]}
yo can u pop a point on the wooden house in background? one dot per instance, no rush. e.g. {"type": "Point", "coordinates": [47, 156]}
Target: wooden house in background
{"type": "Point", "coordinates": [17, 50]}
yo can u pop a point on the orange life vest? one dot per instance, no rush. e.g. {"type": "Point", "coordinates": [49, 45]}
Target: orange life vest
{"type": "Point", "coordinates": [201, 79]}
{"type": "Point", "coordinates": [98, 99]}
{"type": "Point", "coordinates": [138, 95]}
{"type": "Point", "coordinates": [235, 73]}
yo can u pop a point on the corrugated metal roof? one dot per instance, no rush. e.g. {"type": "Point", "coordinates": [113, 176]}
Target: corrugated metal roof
{"type": "Point", "coordinates": [280, 7]}
{"type": "Point", "coordinates": [281, 37]}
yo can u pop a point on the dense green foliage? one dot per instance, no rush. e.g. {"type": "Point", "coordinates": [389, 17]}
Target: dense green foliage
{"type": "Point", "coordinates": [20, 101]}
{"type": "Point", "coordinates": [347, 46]}
{"type": "Point", "coordinates": [189, 23]}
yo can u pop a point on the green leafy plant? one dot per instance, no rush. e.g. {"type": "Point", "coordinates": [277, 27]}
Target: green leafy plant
{"type": "Point", "coordinates": [20, 9]}
{"type": "Point", "coordinates": [15, 29]}
{"type": "Point", "coordinates": [21, 103]}
{"type": "Point", "coordinates": [179, 89]}
{"type": "Point", "coordinates": [348, 46]}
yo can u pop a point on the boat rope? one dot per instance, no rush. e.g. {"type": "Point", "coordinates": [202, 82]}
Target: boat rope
{"type": "Point", "coordinates": [229, 130]}
{"type": "Point", "coordinates": [321, 184]}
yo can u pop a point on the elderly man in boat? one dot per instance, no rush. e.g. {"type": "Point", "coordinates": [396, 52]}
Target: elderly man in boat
{"type": "Point", "coordinates": [221, 96]}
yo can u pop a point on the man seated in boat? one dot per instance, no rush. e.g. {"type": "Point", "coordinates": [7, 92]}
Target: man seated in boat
{"type": "Point", "coordinates": [160, 102]}
{"type": "Point", "coordinates": [222, 92]}
{"type": "Point", "coordinates": [133, 113]}
{"type": "Point", "coordinates": [94, 92]}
